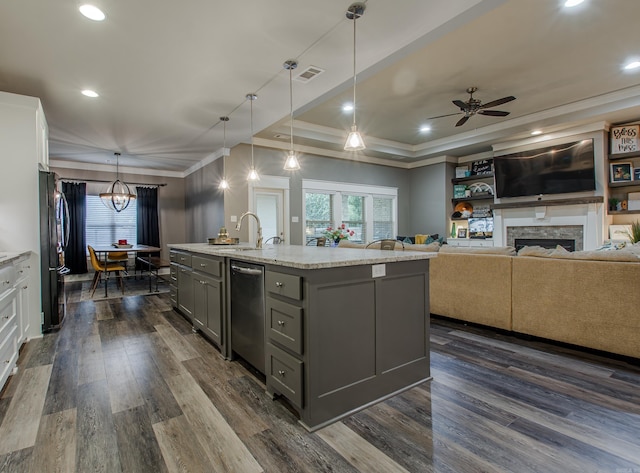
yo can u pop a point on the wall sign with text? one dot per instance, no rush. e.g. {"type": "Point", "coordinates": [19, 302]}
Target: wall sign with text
{"type": "Point", "coordinates": [624, 139]}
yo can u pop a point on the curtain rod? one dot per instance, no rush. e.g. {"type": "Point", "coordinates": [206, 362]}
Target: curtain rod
{"type": "Point", "coordinates": [70, 179]}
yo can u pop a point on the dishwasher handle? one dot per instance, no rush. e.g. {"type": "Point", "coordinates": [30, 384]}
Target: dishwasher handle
{"type": "Point", "coordinates": [243, 270]}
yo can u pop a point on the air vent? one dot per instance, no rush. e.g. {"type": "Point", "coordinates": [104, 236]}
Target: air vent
{"type": "Point", "coordinates": [308, 74]}
{"type": "Point", "coordinates": [281, 136]}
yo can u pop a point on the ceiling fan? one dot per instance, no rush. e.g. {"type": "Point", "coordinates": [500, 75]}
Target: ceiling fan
{"type": "Point", "coordinates": [475, 106]}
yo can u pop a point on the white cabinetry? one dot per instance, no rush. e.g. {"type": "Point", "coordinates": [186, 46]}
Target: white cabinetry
{"type": "Point", "coordinates": [22, 270]}
{"type": "Point", "coordinates": [23, 151]}
{"type": "Point", "coordinates": [8, 322]}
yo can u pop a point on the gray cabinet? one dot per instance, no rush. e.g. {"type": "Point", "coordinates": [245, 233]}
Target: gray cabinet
{"type": "Point", "coordinates": [197, 290]}
{"type": "Point", "coordinates": [338, 339]}
{"type": "Point", "coordinates": [208, 308]}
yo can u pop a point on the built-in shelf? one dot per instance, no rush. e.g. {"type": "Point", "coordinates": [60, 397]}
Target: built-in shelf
{"type": "Point", "coordinates": [624, 184]}
{"type": "Point", "coordinates": [467, 199]}
{"type": "Point", "coordinates": [549, 203]}
{"type": "Point", "coordinates": [457, 180]}
{"type": "Point", "coordinates": [618, 156]}
{"type": "Point", "coordinates": [623, 212]}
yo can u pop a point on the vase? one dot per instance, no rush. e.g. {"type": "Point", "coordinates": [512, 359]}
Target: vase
{"type": "Point", "coordinates": [336, 242]}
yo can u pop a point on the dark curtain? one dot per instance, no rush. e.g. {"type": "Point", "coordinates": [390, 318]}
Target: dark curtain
{"type": "Point", "coordinates": [75, 255]}
{"type": "Point", "coordinates": [148, 228]}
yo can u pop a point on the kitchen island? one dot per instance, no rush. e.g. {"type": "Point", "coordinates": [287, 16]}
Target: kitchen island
{"type": "Point", "coordinates": [343, 328]}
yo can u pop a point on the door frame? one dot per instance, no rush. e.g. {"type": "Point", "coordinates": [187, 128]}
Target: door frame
{"type": "Point", "coordinates": [270, 183]}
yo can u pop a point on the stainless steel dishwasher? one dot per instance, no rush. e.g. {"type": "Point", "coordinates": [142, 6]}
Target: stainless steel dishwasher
{"type": "Point", "coordinates": [248, 312]}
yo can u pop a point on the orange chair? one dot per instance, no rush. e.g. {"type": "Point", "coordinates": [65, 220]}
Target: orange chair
{"type": "Point", "coordinates": [100, 268]}
{"type": "Point", "coordinates": [121, 257]}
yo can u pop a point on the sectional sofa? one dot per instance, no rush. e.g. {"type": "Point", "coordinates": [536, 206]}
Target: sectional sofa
{"type": "Point", "coordinates": [589, 299]}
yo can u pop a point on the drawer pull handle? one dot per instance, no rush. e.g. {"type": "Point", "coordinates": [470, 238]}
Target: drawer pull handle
{"type": "Point", "coordinates": [203, 265]}
{"type": "Point", "coordinates": [203, 282]}
{"type": "Point", "coordinates": [281, 372]}
{"type": "Point", "coordinates": [280, 323]}
{"type": "Point", "coordinates": [279, 284]}
{"type": "Point", "coordinates": [5, 317]}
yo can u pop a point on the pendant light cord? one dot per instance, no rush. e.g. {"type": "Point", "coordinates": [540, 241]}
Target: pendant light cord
{"type": "Point", "coordinates": [355, 17]}
{"type": "Point", "coordinates": [291, 103]}
{"type": "Point", "coordinates": [251, 125]}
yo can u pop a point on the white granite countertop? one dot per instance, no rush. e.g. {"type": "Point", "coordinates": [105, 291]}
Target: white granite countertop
{"type": "Point", "coordinates": [8, 256]}
{"type": "Point", "coordinates": [304, 257]}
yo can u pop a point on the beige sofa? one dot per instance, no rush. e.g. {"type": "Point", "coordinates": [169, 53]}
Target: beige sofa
{"type": "Point", "coordinates": [590, 299]}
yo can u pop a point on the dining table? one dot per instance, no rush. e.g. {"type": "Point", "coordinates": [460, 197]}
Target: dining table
{"type": "Point", "coordinates": [104, 250]}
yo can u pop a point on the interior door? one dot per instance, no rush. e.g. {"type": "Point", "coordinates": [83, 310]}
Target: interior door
{"type": "Point", "coordinates": [270, 209]}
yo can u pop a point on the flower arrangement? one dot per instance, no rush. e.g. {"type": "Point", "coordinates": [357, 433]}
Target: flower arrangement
{"type": "Point", "coordinates": [339, 233]}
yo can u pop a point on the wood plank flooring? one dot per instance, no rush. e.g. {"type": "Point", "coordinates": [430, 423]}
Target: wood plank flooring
{"type": "Point", "coordinates": [126, 386]}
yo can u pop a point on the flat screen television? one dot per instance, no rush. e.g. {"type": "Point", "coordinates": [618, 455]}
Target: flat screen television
{"type": "Point", "coordinates": [560, 169]}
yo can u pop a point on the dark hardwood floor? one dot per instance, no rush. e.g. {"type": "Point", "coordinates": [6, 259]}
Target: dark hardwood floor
{"type": "Point", "coordinates": [126, 386]}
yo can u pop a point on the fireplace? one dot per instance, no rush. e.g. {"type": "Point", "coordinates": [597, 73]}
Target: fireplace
{"type": "Point", "coordinates": [569, 245]}
{"type": "Point", "coordinates": [570, 237]}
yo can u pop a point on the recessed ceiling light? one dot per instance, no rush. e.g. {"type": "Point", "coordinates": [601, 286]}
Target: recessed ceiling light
{"type": "Point", "coordinates": [536, 132]}
{"type": "Point", "coordinates": [347, 107]}
{"type": "Point", "coordinates": [425, 128]}
{"type": "Point", "coordinates": [90, 93]}
{"type": "Point", "coordinates": [92, 12]}
{"type": "Point", "coordinates": [572, 3]}
{"type": "Point", "coordinates": [631, 65]}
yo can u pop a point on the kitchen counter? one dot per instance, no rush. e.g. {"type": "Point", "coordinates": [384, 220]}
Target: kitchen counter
{"type": "Point", "coordinates": [8, 256]}
{"type": "Point", "coordinates": [343, 327]}
{"type": "Point", "coordinates": [304, 257]}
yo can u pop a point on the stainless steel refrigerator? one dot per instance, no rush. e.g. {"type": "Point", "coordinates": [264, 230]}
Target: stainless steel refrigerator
{"type": "Point", "coordinates": [54, 234]}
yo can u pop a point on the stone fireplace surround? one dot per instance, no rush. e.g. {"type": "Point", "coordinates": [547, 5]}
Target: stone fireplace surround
{"type": "Point", "coordinates": [582, 222]}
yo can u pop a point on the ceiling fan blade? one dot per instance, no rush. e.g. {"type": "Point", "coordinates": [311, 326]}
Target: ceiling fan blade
{"type": "Point", "coordinates": [461, 104]}
{"type": "Point", "coordinates": [494, 113]}
{"type": "Point", "coordinates": [495, 103]}
{"type": "Point", "coordinates": [463, 120]}
{"type": "Point", "coordinates": [447, 115]}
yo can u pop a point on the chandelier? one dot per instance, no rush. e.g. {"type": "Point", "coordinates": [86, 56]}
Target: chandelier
{"type": "Point", "coordinates": [118, 195]}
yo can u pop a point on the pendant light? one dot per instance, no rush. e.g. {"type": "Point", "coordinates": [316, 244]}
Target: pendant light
{"type": "Point", "coordinates": [354, 140]}
{"type": "Point", "coordinates": [224, 184]}
{"type": "Point", "coordinates": [118, 195]}
{"type": "Point", "coordinates": [253, 174]}
{"type": "Point", "coordinates": [291, 164]}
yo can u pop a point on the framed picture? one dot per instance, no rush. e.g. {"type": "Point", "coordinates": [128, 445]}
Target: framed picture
{"type": "Point", "coordinates": [462, 232]}
{"type": "Point", "coordinates": [624, 139]}
{"type": "Point", "coordinates": [621, 172]}
{"type": "Point", "coordinates": [619, 232]}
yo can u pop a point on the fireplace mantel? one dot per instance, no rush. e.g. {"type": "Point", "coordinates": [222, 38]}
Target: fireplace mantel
{"type": "Point", "coordinates": [549, 203]}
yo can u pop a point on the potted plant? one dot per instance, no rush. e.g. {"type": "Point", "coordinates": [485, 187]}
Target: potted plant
{"type": "Point", "coordinates": [634, 234]}
{"type": "Point", "coordinates": [613, 203]}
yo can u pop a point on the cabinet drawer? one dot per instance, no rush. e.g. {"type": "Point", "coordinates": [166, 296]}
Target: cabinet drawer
{"type": "Point", "coordinates": [180, 257]}
{"type": "Point", "coordinates": [173, 272]}
{"type": "Point", "coordinates": [286, 285]}
{"type": "Point", "coordinates": [8, 354]}
{"type": "Point", "coordinates": [284, 373]}
{"type": "Point", "coordinates": [22, 268]}
{"type": "Point", "coordinates": [284, 324]}
{"type": "Point", "coordinates": [7, 277]}
{"type": "Point", "coordinates": [207, 265]}
{"type": "Point", "coordinates": [8, 313]}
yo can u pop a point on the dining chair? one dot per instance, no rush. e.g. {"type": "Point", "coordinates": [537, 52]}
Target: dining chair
{"type": "Point", "coordinates": [385, 244]}
{"type": "Point", "coordinates": [99, 268]}
{"type": "Point", "coordinates": [121, 257]}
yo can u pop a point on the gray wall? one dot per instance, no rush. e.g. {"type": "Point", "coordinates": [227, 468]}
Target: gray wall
{"type": "Point", "coordinates": [203, 204]}
{"type": "Point", "coordinates": [431, 192]}
{"type": "Point", "coordinates": [171, 199]}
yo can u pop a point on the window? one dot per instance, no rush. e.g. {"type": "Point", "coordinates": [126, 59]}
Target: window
{"type": "Point", "coordinates": [105, 226]}
{"type": "Point", "coordinates": [370, 211]}
{"type": "Point", "coordinates": [319, 214]}
{"type": "Point", "coordinates": [383, 218]}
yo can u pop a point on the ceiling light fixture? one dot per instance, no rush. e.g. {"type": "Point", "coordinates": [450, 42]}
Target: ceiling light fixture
{"type": "Point", "coordinates": [354, 140]}
{"type": "Point", "coordinates": [224, 184]}
{"type": "Point", "coordinates": [118, 195]}
{"type": "Point", "coordinates": [253, 174]}
{"type": "Point", "coordinates": [425, 129]}
{"type": "Point", "coordinates": [92, 12]}
{"type": "Point", "coordinates": [291, 164]}
{"type": "Point", "coordinates": [572, 3]}
{"type": "Point", "coordinates": [347, 107]}
{"type": "Point", "coordinates": [90, 93]}
{"type": "Point", "coordinates": [536, 132]}
{"type": "Point", "coordinates": [632, 65]}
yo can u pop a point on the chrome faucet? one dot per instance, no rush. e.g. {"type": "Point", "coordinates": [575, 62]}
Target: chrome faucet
{"type": "Point", "coordinates": [259, 240]}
